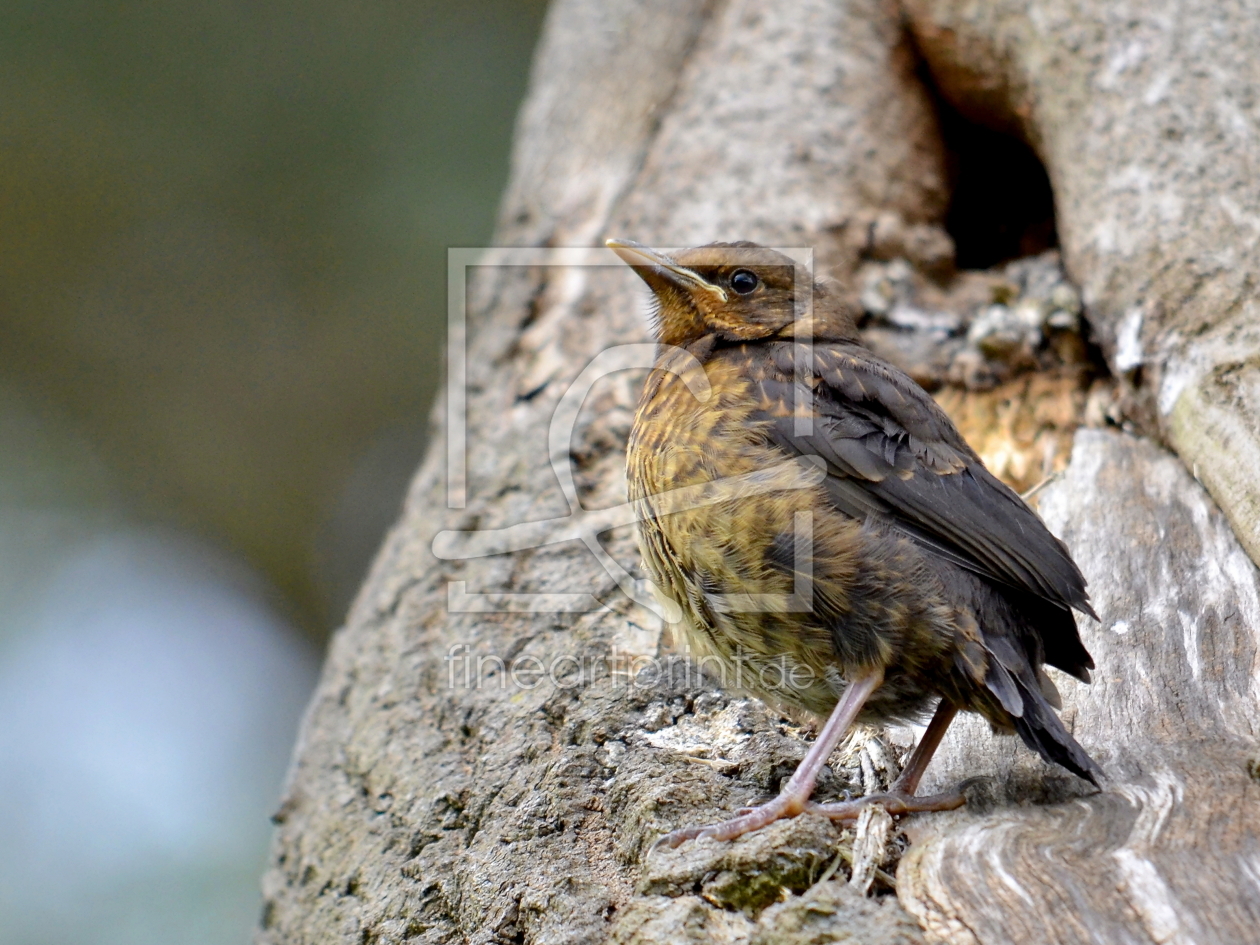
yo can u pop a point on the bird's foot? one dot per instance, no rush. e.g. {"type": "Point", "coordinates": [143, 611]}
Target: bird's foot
{"type": "Point", "coordinates": [895, 802]}
{"type": "Point", "coordinates": [787, 804]}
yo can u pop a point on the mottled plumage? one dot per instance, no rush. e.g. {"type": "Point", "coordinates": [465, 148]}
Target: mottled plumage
{"type": "Point", "coordinates": [923, 567]}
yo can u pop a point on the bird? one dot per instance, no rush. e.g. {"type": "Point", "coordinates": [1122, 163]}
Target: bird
{"type": "Point", "coordinates": [831, 541]}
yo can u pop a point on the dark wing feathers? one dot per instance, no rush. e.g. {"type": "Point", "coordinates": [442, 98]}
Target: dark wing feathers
{"type": "Point", "coordinates": [977, 513]}
{"type": "Point", "coordinates": [893, 454]}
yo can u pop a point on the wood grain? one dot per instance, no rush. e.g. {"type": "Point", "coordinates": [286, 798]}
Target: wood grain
{"type": "Point", "coordinates": [1170, 851]}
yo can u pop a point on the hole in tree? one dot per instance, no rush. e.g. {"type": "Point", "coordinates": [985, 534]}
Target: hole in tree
{"type": "Point", "coordinates": [1001, 206]}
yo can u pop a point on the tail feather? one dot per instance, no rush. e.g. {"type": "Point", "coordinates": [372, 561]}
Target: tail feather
{"type": "Point", "coordinates": [1042, 730]}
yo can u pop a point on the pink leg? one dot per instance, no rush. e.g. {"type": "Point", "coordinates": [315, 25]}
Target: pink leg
{"type": "Point", "coordinates": [795, 795]}
{"type": "Point", "coordinates": [912, 773]}
{"type": "Point", "coordinates": [900, 798]}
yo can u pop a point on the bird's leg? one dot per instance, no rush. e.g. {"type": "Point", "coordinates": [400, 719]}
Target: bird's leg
{"type": "Point", "coordinates": [900, 798]}
{"type": "Point", "coordinates": [908, 782]}
{"type": "Point", "coordinates": [795, 795]}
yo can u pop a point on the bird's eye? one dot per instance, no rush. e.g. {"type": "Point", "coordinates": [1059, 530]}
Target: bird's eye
{"type": "Point", "coordinates": [743, 281]}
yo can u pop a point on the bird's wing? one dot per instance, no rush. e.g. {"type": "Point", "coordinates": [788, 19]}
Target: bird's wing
{"type": "Point", "coordinates": [894, 455]}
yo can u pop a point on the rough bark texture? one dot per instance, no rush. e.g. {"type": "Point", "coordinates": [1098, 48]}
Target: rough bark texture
{"type": "Point", "coordinates": [1147, 116]}
{"type": "Point", "coordinates": [430, 806]}
{"type": "Point", "coordinates": [1169, 852]}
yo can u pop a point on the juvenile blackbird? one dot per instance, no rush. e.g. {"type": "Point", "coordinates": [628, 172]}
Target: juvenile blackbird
{"type": "Point", "coordinates": [903, 574]}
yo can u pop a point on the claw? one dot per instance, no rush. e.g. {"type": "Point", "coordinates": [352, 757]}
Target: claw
{"type": "Point", "coordinates": [783, 806]}
{"type": "Point", "coordinates": [747, 820]}
{"type": "Point", "coordinates": [895, 803]}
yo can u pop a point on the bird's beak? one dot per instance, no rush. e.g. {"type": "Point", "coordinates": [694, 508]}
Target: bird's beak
{"type": "Point", "coordinates": [656, 268]}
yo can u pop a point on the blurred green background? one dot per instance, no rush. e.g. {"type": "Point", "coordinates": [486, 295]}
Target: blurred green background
{"type": "Point", "coordinates": [222, 251]}
{"type": "Point", "coordinates": [223, 232]}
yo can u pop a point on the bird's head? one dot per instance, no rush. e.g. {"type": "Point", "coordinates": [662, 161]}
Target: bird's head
{"type": "Point", "coordinates": [736, 291]}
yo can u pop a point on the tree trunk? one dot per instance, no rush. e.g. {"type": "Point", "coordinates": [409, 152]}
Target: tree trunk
{"type": "Point", "coordinates": [472, 770]}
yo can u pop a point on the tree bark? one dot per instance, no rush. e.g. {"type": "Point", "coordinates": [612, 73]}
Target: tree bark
{"type": "Point", "coordinates": [440, 794]}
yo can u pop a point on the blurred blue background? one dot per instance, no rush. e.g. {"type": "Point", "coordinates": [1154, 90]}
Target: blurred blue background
{"type": "Point", "coordinates": [223, 232]}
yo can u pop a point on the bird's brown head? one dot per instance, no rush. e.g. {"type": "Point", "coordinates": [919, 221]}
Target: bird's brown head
{"type": "Point", "coordinates": [737, 292]}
